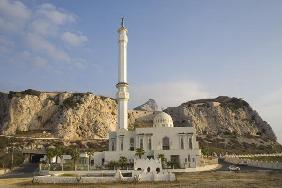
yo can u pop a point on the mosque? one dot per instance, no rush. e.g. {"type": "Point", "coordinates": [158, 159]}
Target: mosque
{"type": "Point", "coordinates": [177, 144]}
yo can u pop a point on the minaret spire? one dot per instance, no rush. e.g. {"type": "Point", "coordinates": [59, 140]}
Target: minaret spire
{"type": "Point", "coordinates": [122, 94]}
{"type": "Point", "coordinates": [122, 21]}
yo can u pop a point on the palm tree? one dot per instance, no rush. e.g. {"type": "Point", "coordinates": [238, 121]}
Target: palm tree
{"type": "Point", "coordinates": [163, 159]}
{"type": "Point", "coordinates": [59, 151]}
{"type": "Point", "coordinates": [75, 156]}
{"type": "Point", "coordinates": [50, 154]}
{"type": "Point", "coordinates": [139, 152]}
{"type": "Point", "coordinates": [122, 161]}
{"type": "Point", "coordinates": [90, 153]}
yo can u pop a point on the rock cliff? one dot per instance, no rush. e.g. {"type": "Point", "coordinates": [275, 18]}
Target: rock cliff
{"type": "Point", "coordinates": [75, 116]}
{"type": "Point", "coordinates": [221, 116]}
{"type": "Point", "coordinates": [150, 105]}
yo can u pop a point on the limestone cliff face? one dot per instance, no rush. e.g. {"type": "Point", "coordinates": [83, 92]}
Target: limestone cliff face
{"type": "Point", "coordinates": [221, 116]}
{"type": "Point", "coordinates": [150, 105]}
{"type": "Point", "coordinates": [66, 115]}
{"type": "Point", "coordinates": [74, 116]}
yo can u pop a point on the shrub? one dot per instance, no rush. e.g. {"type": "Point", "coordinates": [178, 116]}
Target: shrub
{"type": "Point", "coordinates": [74, 100]}
{"type": "Point", "coordinates": [24, 93]}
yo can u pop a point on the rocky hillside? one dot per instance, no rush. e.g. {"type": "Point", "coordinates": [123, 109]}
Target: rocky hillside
{"type": "Point", "coordinates": [150, 105]}
{"type": "Point", "coordinates": [65, 115]}
{"type": "Point", "coordinates": [85, 116]}
{"type": "Point", "coordinates": [70, 116]}
{"type": "Point", "coordinates": [226, 124]}
{"type": "Point", "coordinates": [221, 116]}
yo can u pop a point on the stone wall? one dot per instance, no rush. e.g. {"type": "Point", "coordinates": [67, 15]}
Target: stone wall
{"type": "Point", "coordinates": [247, 160]}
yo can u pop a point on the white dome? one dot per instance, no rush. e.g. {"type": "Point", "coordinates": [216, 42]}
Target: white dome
{"type": "Point", "coordinates": [162, 119]}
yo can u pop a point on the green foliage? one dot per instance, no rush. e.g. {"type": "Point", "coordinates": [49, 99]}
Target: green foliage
{"type": "Point", "coordinates": [90, 151]}
{"type": "Point", "coordinates": [6, 159]}
{"type": "Point", "coordinates": [4, 142]}
{"type": "Point", "coordinates": [75, 155]}
{"type": "Point", "coordinates": [172, 164]}
{"type": "Point", "coordinates": [163, 160]}
{"type": "Point", "coordinates": [139, 152]}
{"type": "Point", "coordinates": [68, 175]}
{"type": "Point", "coordinates": [234, 104]}
{"type": "Point", "coordinates": [51, 152]}
{"type": "Point", "coordinates": [74, 100]}
{"type": "Point", "coordinates": [225, 102]}
{"type": "Point", "coordinates": [112, 165]}
{"type": "Point", "coordinates": [22, 94]}
{"type": "Point", "coordinates": [122, 162]}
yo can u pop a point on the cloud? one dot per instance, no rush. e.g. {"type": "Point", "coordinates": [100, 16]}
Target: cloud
{"type": "Point", "coordinates": [54, 15]}
{"type": "Point", "coordinates": [5, 45]}
{"type": "Point", "coordinates": [13, 15]}
{"type": "Point", "coordinates": [27, 58]}
{"type": "Point", "coordinates": [40, 29]}
{"type": "Point", "coordinates": [168, 94]}
{"type": "Point", "coordinates": [40, 44]}
{"type": "Point", "coordinates": [74, 39]}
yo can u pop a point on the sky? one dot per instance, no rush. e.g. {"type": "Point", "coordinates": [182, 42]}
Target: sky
{"type": "Point", "coordinates": [178, 50]}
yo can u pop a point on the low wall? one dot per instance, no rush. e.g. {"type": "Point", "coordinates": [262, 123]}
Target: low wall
{"type": "Point", "coordinates": [197, 169]}
{"type": "Point", "coordinates": [254, 155]}
{"type": "Point", "coordinates": [91, 172]}
{"type": "Point", "coordinates": [253, 163]}
{"type": "Point", "coordinates": [72, 180]}
{"type": "Point", "coordinates": [101, 172]}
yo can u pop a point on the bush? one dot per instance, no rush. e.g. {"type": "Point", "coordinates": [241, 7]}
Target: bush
{"type": "Point", "coordinates": [234, 104]}
{"type": "Point", "coordinates": [74, 100]}
{"type": "Point", "coordinates": [22, 94]}
{"type": "Point", "coordinates": [6, 159]}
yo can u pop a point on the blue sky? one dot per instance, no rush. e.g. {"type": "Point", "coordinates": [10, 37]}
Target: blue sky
{"type": "Point", "coordinates": [177, 51]}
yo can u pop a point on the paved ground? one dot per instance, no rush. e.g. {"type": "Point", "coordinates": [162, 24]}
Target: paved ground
{"type": "Point", "coordinates": [242, 167]}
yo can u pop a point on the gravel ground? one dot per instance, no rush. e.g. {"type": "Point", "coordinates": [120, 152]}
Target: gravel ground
{"type": "Point", "coordinates": [216, 179]}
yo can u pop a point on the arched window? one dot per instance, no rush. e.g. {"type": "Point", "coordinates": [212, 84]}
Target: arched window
{"type": "Point", "coordinates": [165, 143]}
{"type": "Point", "coordinates": [121, 144]}
{"type": "Point", "coordinates": [190, 143]}
{"type": "Point", "coordinates": [181, 143]}
{"type": "Point", "coordinates": [141, 143]}
{"type": "Point", "coordinates": [149, 144]}
{"type": "Point", "coordinates": [113, 146]}
{"type": "Point", "coordinates": [131, 141]}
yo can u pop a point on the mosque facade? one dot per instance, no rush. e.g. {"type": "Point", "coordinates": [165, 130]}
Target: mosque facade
{"type": "Point", "coordinates": [177, 144]}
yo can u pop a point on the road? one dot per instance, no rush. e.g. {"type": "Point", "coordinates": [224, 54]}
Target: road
{"type": "Point", "coordinates": [225, 166]}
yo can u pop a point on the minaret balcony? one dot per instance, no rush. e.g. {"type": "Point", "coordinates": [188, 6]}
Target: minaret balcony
{"type": "Point", "coordinates": [121, 84]}
{"type": "Point", "coordinates": [122, 95]}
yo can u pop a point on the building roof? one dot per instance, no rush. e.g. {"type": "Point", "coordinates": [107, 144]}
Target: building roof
{"type": "Point", "coordinates": [162, 119]}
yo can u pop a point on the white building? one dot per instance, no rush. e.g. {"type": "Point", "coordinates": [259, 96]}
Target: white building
{"type": "Point", "coordinates": [177, 144]}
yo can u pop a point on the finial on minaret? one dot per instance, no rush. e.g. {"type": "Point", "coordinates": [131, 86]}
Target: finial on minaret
{"type": "Point", "coordinates": [122, 21]}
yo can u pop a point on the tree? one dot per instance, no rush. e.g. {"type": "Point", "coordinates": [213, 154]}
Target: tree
{"type": "Point", "coordinates": [172, 164]}
{"type": "Point", "coordinates": [163, 159]}
{"type": "Point", "coordinates": [139, 152]}
{"type": "Point", "coordinates": [50, 154]}
{"type": "Point", "coordinates": [122, 161]}
{"type": "Point", "coordinates": [90, 152]}
{"type": "Point", "coordinates": [75, 154]}
{"type": "Point", "coordinates": [59, 151]}
{"type": "Point", "coordinates": [112, 164]}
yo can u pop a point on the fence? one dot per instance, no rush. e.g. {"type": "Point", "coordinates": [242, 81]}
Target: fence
{"type": "Point", "coordinates": [249, 160]}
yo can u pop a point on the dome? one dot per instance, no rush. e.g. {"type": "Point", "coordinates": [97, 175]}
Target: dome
{"type": "Point", "coordinates": [162, 119]}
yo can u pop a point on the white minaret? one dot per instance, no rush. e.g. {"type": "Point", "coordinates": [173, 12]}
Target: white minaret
{"type": "Point", "coordinates": [122, 94]}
